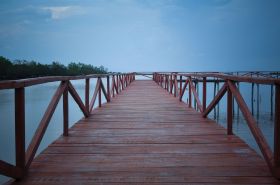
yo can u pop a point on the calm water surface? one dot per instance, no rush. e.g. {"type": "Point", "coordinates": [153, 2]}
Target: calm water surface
{"type": "Point", "coordinates": [38, 97]}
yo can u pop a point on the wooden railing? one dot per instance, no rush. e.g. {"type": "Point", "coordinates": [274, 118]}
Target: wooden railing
{"type": "Point", "coordinates": [170, 82]}
{"type": "Point", "coordinates": [25, 157]}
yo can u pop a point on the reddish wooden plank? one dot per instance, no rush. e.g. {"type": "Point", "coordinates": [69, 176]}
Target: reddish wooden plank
{"type": "Point", "coordinates": [148, 139]}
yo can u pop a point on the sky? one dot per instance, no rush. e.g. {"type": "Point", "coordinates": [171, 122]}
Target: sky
{"type": "Point", "coordinates": [144, 35]}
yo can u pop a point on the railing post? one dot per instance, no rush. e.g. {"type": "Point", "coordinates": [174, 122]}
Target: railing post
{"type": "Point", "coordinates": [167, 83]}
{"type": "Point", "coordinates": [161, 80]}
{"type": "Point", "coordinates": [87, 95]}
{"type": "Point", "coordinates": [108, 89]}
{"type": "Point", "coordinates": [277, 127]}
{"type": "Point", "coordinates": [117, 78]}
{"type": "Point", "coordinates": [66, 111]}
{"type": "Point", "coordinates": [113, 84]}
{"type": "Point", "coordinates": [121, 82]}
{"type": "Point", "coordinates": [194, 100]}
{"type": "Point", "coordinates": [125, 80]}
{"type": "Point", "coordinates": [99, 94]}
{"type": "Point", "coordinates": [181, 84]}
{"type": "Point", "coordinates": [190, 93]}
{"type": "Point", "coordinates": [204, 94]}
{"type": "Point", "coordinates": [171, 84]}
{"type": "Point", "coordinates": [175, 85]}
{"type": "Point", "coordinates": [20, 128]}
{"type": "Point", "coordinates": [156, 77]}
{"type": "Point", "coordinates": [229, 112]}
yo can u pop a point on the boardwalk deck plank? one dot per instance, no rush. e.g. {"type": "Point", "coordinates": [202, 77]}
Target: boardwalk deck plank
{"type": "Point", "coordinates": [146, 136]}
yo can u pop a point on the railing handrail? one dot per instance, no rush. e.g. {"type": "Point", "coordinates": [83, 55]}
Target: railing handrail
{"type": "Point", "coordinates": [12, 84]}
{"type": "Point", "coordinates": [236, 78]}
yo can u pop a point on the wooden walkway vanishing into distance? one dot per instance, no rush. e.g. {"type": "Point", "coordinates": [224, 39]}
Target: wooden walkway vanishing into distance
{"type": "Point", "coordinates": [146, 136]}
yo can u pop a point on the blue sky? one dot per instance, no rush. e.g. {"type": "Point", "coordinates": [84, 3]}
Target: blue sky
{"type": "Point", "coordinates": [144, 35]}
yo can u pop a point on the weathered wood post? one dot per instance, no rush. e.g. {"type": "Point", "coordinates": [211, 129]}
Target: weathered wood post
{"type": "Point", "coordinates": [165, 86]}
{"type": "Point", "coordinates": [204, 94]}
{"type": "Point", "coordinates": [66, 110]}
{"type": "Point", "coordinates": [271, 101]}
{"type": "Point", "coordinates": [252, 98]}
{"type": "Point", "coordinates": [277, 127]}
{"type": "Point", "coordinates": [20, 128]}
{"type": "Point", "coordinates": [87, 95]}
{"type": "Point", "coordinates": [190, 92]}
{"type": "Point", "coordinates": [194, 100]}
{"type": "Point", "coordinates": [162, 84]}
{"type": "Point", "coordinates": [218, 105]}
{"type": "Point", "coordinates": [229, 111]}
{"type": "Point", "coordinates": [175, 85]}
{"type": "Point", "coordinates": [117, 83]}
{"type": "Point", "coordinates": [99, 93]}
{"type": "Point", "coordinates": [167, 83]}
{"type": "Point", "coordinates": [258, 101]}
{"type": "Point", "coordinates": [215, 84]}
{"type": "Point", "coordinates": [181, 78]}
{"type": "Point", "coordinates": [113, 85]}
{"type": "Point", "coordinates": [171, 83]}
{"type": "Point", "coordinates": [108, 89]}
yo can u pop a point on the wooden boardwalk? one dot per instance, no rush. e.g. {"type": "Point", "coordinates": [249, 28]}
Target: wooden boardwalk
{"type": "Point", "coordinates": [145, 135]}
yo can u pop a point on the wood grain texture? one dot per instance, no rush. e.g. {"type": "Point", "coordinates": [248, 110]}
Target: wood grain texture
{"type": "Point", "coordinates": [147, 136]}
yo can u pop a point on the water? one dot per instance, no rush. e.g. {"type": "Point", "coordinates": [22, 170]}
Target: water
{"type": "Point", "coordinates": [38, 97]}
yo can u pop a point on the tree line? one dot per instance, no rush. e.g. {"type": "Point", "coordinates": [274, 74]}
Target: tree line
{"type": "Point", "coordinates": [18, 69]}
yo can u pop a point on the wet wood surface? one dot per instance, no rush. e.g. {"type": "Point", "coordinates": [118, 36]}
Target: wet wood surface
{"type": "Point", "coordinates": [147, 136]}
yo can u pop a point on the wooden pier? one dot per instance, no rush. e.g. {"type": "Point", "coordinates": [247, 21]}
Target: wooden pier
{"type": "Point", "coordinates": [145, 135]}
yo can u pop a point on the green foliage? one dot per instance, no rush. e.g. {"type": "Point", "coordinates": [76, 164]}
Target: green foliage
{"type": "Point", "coordinates": [5, 67]}
{"type": "Point", "coordinates": [29, 69]}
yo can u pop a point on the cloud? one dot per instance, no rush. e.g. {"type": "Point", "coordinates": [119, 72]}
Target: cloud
{"type": "Point", "coordinates": [61, 12]}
